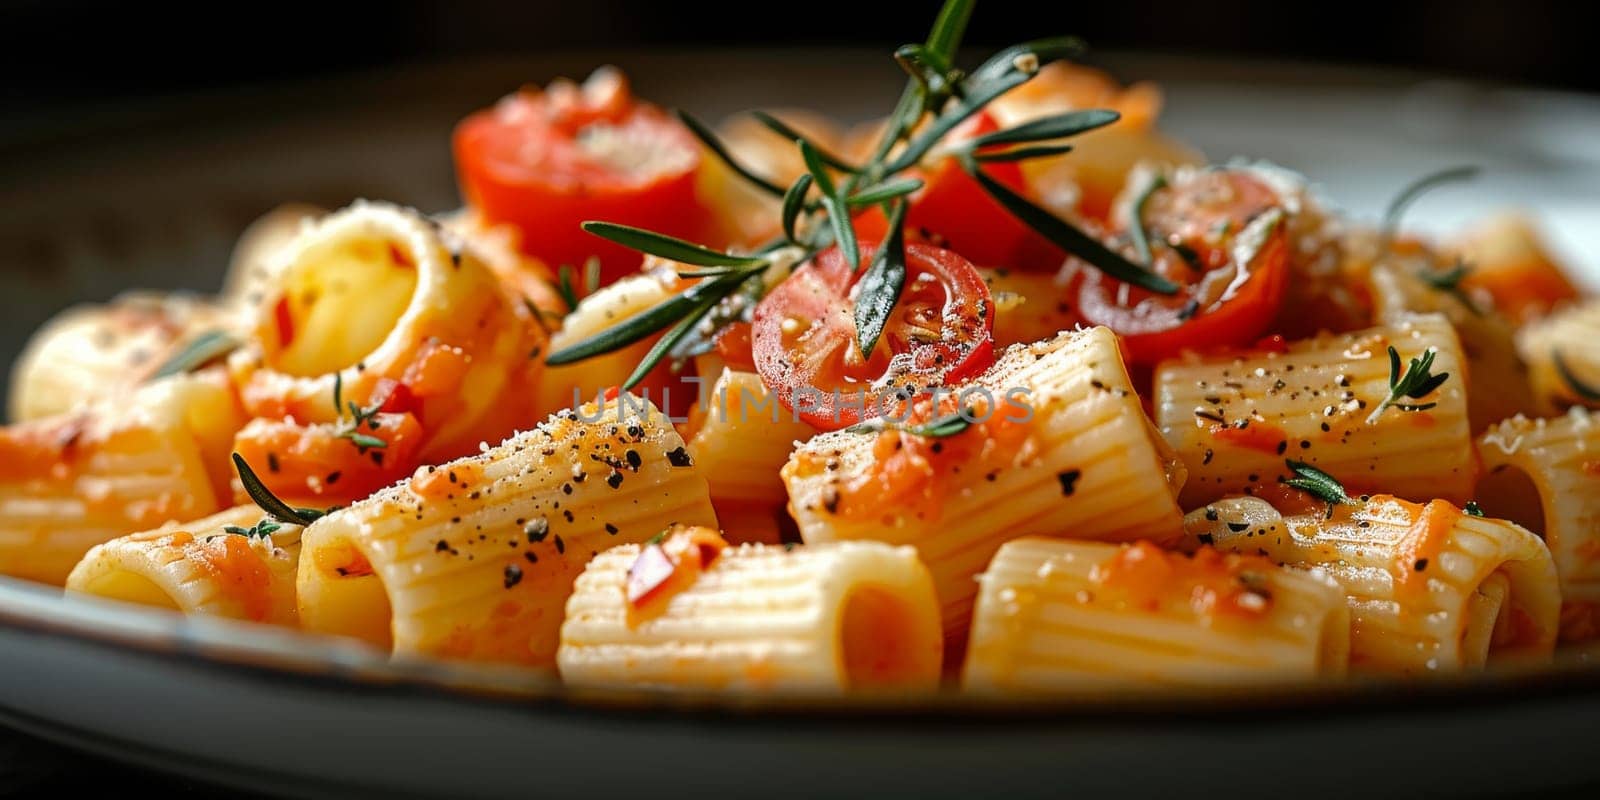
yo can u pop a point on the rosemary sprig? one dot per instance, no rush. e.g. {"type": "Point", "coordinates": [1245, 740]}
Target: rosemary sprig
{"type": "Point", "coordinates": [564, 288]}
{"type": "Point", "coordinates": [880, 287]}
{"type": "Point", "coordinates": [936, 428]}
{"type": "Point", "coordinates": [269, 502]}
{"type": "Point", "coordinates": [1070, 238]}
{"type": "Point", "coordinates": [668, 247]}
{"type": "Point", "coordinates": [1578, 386]}
{"type": "Point", "coordinates": [938, 96]}
{"type": "Point", "coordinates": [783, 129]}
{"type": "Point", "coordinates": [1416, 382]}
{"type": "Point", "coordinates": [1449, 282]}
{"type": "Point", "coordinates": [716, 146]}
{"type": "Point", "coordinates": [1417, 188]}
{"type": "Point", "coordinates": [1318, 484]}
{"type": "Point", "coordinates": [835, 201]}
{"type": "Point", "coordinates": [204, 349]}
{"type": "Point", "coordinates": [1136, 229]}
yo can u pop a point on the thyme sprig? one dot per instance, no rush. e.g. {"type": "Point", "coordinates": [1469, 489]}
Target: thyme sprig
{"type": "Point", "coordinates": [1318, 484]}
{"type": "Point", "coordinates": [358, 416]}
{"type": "Point", "coordinates": [1417, 382]}
{"type": "Point", "coordinates": [1136, 228]}
{"type": "Point", "coordinates": [816, 208]}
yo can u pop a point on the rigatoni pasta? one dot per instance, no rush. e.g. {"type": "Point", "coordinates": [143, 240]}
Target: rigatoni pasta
{"type": "Point", "coordinates": [474, 559]}
{"type": "Point", "coordinates": [1234, 418]}
{"type": "Point", "coordinates": [1067, 616]}
{"type": "Point", "coordinates": [72, 481]}
{"type": "Point", "coordinates": [1431, 589]}
{"type": "Point", "coordinates": [847, 616]}
{"type": "Point", "coordinates": [1073, 455]}
{"type": "Point", "coordinates": [1563, 356]}
{"type": "Point", "coordinates": [219, 566]}
{"type": "Point", "coordinates": [1545, 473]}
{"type": "Point", "coordinates": [740, 438]}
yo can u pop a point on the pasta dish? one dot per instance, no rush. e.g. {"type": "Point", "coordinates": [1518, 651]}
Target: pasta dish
{"type": "Point", "coordinates": [1005, 393]}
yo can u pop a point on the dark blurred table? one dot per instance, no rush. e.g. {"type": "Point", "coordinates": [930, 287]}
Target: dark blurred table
{"type": "Point", "coordinates": [30, 768]}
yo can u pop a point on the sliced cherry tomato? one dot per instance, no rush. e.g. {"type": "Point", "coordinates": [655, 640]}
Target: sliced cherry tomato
{"type": "Point", "coordinates": [952, 208]}
{"type": "Point", "coordinates": [1197, 230]}
{"type": "Point", "coordinates": [733, 345]}
{"type": "Point", "coordinates": [804, 332]}
{"type": "Point", "coordinates": [547, 161]}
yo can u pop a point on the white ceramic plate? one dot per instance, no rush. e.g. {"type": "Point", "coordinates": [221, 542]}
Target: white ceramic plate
{"type": "Point", "coordinates": [153, 194]}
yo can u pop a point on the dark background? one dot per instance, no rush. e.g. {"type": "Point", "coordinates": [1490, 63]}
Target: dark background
{"type": "Point", "coordinates": [69, 52]}
{"type": "Point", "coordinates": [66, 56]}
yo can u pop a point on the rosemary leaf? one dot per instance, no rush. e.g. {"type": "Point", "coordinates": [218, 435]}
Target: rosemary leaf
{"type": "Point", "coordinates": [651, 320]}
{"type": "Point", "coordinates": [716, 146]}
{"type": "Point", "coordinates": [1136, 229]}
{"type": "Point", "coordinates": [668, 247]}
{"type": "Point", "coordinates": [1058, 126]}
{"type": "Point", "coordinates": [1317, 483]}
{"type": "Point", "coordinates": [1573, 382]}
{"type": "Point", "coordinates": [269, 502]}
{"type": "Point", "coordinates": [1069, 238]}
{"type": "Point", "coordinates": [1023, 153]}
{"type": "Point", "coordinates": [794, 202]}
{"type": "Point", "coordinates": [880, 286]}
{"type": "Point", "coordinates": [1419, 187]}
{"type": "Point", "coordinates": [664, 345]}
{"type": "Point", "coordinates": [883, 192]}
{"type": "Point", "coordinates": [204, 349]}
{"type": "Point", "coordinates": [948, 29]}
{"type": "Point", "coordinates": [936, 428]}
{"type": "Point", "coordinates": [591, 275]}
{"type": "Point", "coordinates": [844, 233]}
{"type": "Point", "coordinates": [783, 129]}
{"type": "Point", "coordinates": [564, 287]}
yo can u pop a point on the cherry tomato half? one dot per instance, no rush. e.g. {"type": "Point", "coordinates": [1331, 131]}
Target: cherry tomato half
{"type": "Point", "coordinates": [547, 161]}
{"type": "Point", "coordinates": [804, 335]}
{"type": "Point", "coordinates": [1197, 229]}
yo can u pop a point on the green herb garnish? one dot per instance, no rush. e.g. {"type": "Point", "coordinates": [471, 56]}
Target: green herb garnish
{"type": "Point", "coordinates": [1472, 510]}
{"type": "Point", "coordinates": [1318, 484]}
{"type": "Point", "coordinates": [938, 97]}
{"type": "Point", "coordinates": [1416, 383]}
{"type": "Point", "coordinates": [936, 428]}
{"type": "Point", "coordinates": [263, 528]}
{"type": "Point", "coordinates": [1136, 229]}
{"type": "Point", "coordinates": [1417, 188]}
{"type": "Point", "coordinates": [1573, 382]}
{"type": "Point", "coordinates": [358, 416]}
{"type": "Point", "coordinates": [204, 349]}
{"type": "Point", "coordinates": [1449, 282]}
{"type": "Point", "coordinates": [269, 502]}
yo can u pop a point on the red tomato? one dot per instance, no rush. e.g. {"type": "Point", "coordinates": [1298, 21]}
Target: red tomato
{"type": "Point", "coordinates": [733, 345]}
{"type": "Point", "coordinates": [547, 161]}
{"type": "Point", "coordinates": [954, 208]}
{"type": "Point", "coordinates": [1221, 303]}
{"type": "Point", "coordinates": [804, 334]}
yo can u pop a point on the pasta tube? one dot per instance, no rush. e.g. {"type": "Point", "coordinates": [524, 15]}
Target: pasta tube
{"type": "Point", "coordinates": [379, 304]}
{"type": "Point", "coordinates": [567, 386]}
{"type": "Point", "coordinates": [1071, 453]}
{"type": "Point", "coordinates": [1234, 419]}
{"type": "Point", "coordinates": [95, 352]}
{"type": "Point", "coordinates": [1563, 355]}
{"type": "Point", "coordinates": [1430, 589]}
{"type": "Point", "coordinates": [1512, 266]}
{"type": "Point", "coordinates": [848, 616]}
{"type": "Point", "coordinates": [1542, 474]}
{"type": "Point", "coordinates": [740, 438]}
{"type": "Point", "coordinates": [257, 257]}
{"type": "Point", "coordinates": [1500, 386]}
{"type": "Point", "coordinates": [70, 482]}
{"type": "Point", "coordinates": [1055, 615]}
{"type": "Point", "coordinates": [474, 559]}
{"type": "Point", "coordinates": [199, 568]}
